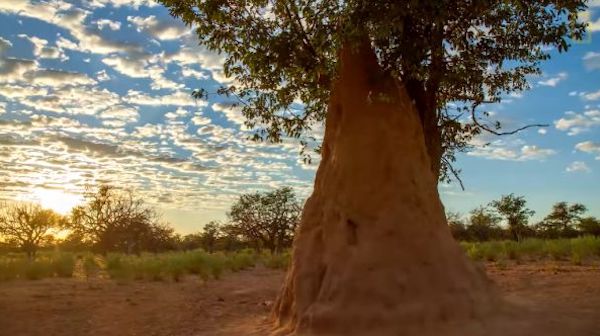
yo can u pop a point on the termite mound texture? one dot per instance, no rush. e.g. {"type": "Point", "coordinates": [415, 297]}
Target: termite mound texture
{"type": "Point", "coordinates": [373, 254]}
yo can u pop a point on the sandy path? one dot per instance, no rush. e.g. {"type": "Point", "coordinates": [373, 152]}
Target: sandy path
{"type": "Point", "coordinates": [566, 297]}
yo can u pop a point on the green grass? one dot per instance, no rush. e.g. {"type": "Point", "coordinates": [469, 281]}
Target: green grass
{"type": "Point", "coordinates": [47, 265]}
{"type": "Point", "coordinates": [577, 250]}
{"type": "Point", "coordinates": [174, 266]}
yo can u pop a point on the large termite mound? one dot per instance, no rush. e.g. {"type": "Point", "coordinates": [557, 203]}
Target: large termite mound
{"type": "Point", "coordinates": [373, 254]}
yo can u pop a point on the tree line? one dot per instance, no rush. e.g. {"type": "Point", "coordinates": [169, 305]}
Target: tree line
{"type": "Point", "coordinates": [119, 220]}
{"type": "Point", "coordinates": [508, 218]}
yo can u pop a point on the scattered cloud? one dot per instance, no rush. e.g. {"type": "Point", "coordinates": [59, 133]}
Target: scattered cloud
{"type": "Point", "coordinates": [112, 25]}
{"type": "Point", "coordinates": [514, 150]}
{"type": "Point", "coordinates": [592, 95]}
{"type": "Point", "coordinates": [576, 123]}
{"type": "Point", "coordinates": [162, 30]}
{"type": "Point", "coordinates": [553, 81]}
{"type": "Point", "coordinates": [577, 166]}
{"type": "Point", "coordinates": [589, 147]}
{"type": "Point", "coordinates": [591, 60]}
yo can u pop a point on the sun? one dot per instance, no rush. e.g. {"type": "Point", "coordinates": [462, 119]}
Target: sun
{"type": "Point", "coordinates": [57, 200]}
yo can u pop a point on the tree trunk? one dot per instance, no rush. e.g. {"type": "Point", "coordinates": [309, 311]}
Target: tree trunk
{"type": "Point", "coordinates": [373, 254]}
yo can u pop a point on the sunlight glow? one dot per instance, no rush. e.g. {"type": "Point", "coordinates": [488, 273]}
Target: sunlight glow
{"type": "Point", "coordinates": [57, 200]}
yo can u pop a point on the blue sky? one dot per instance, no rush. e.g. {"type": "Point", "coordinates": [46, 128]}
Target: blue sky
{"type": "Point", "coordinates": [99, 91]}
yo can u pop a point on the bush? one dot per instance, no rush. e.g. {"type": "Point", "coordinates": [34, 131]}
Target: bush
{"type": "Point", "coordinates": [63, 265]}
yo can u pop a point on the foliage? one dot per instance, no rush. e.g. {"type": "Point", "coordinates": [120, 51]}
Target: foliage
{"type": "Point", "coordinates": [562, 220]}
{"type": "Point", "coordinates": [589, 226]}
{"type": "Point", "coordinates": [513, 209]}
{"type": "Point", "coordinates": [576, 250]}
{"type": "Point", "coordinates": [17, 266]}
{"type": "Point", "coordinates": [119, 220]}
{"type": "Point", "coordinates": [483, 224]}
{"type": "Point", "coordinates": [445, 51]}
{"type": "Point", "coordinates": [27, 225]}
{"type": "Point", "coordinates": [267, 220]}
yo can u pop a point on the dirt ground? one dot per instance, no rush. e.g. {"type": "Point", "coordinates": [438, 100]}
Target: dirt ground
{"type": "Point", "coordinates": [563, 294]}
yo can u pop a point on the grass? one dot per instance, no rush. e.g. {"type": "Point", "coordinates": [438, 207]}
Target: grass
{"type": "Point", "coordinates": [44, 266]}
{"type": "Point", "coordinates": [576, 250]}
{"type": "Point", "coordinates": [174, 266]}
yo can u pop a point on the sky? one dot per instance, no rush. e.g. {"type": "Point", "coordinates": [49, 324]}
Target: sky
{"type": "Point", "coordinates": [98, 91]}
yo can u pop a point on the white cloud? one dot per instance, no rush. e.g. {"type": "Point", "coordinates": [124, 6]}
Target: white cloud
{"type": "Point", "coordinates": [542, 131]}
{"type": "Point", "coordinates": [162, 30]}
{"type": "Point", "coordinates": [189, 72]}
{"type": "Point", "coordinates": [112, 25]}
{"type": "Point", "coordinates": [576, 123]}
{"type": "Point", "coordinates": [511, 151]}
{"type": "Point", "coordinates": [178, 98]}
{"type": "Point", "coordinates": [42, 50]}
{"type": "Point", "coordinates": [120, 112]}
{"type": "Point", "coordinates": [2, 107]}
{"type": "Point", "coordinates": [589, 147]}
{"type": "Point", "coordinates": [13, 69]}
{"type": "Point", "coordinates": [120, 3]}
{"type": "Point", "coordinates": [4, 45]}
{"type": "Point", "coordinates": [591, 60]}
{"type": "Point", "coordinates": [102, 76]}
{"type": "Point", "coordinates": [200, 120]}
{"type": "Point", "coordinates": [72, 19]}
{"type": "Point", "coordinates": [19, 91]}
{"type": "Point", "coordinates": [553, 81]}
{"type": "Point", "coordinates": [592, 95]}
{"type": "Point", "coordinates": [137, 65]}
{"type": "Point", "coordinates": [577, 166]}
{"type": "Point", "coordinates": [133, 65]}
{"type": "Point", "coordinates": [58, 78]}
{"type": "Point", "coordinates": [232, 113]}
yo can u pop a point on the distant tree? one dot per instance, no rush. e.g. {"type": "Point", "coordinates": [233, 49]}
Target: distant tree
{"type": "Point", "coordinates": [268, 220]}
{"type": "Point", "coordinates": [483, 225]}
{"type": "Point", "coordinates": [513, 209]}
{"type": "Point", "coordinates": [211, 233]}
{"type": "Point", "coordinates": [562, 220]}
{"type": "Point", "coordinates": [457, 226]}
{"type": "Point", "coordinates": [27, 225]}
{"type": "Point", "coordinates": [191, 241]}
{"type": "Point", "coordinates": [119, 220]}
{"type": "Point", "coordinates": [589, 226]}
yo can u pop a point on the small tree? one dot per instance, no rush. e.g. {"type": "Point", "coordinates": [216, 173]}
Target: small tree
{"type": "Point", "coordinates": [117, 220]}
{"type": "Point", "coordinates": [589, 226]}
{"type": "Point", "coordinates": [513, 209]}
{"type": "Point", "coordinates": [27, 225]}
{"type": "Point", "coordinates": [483, 225]}
{"type": "Point", "coordinates": [562, 220]}
{"type": "Point", "coordinates": [268, 220]}
{"type": "Point", "coordinates": [457, 226]}
{"type": "Point", "coordinates": [210, 236]}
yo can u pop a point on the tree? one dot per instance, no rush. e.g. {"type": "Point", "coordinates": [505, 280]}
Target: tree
{"type": "Point", "coordinates": [119, 220]}
{"type": "Point", "coordinates": [513, 209]}
{"type": "Point", "coordinates": [383, 74]}
{"type": "Point", "coordinates": [589, 226]}
{"type": "Point", "coordinates": [267, 220]}
{"type": "Point", "coordinates": [210, 235]}
{"type": "Point", "coordinates": [562, 220]}
{"type": "Point", "coordinates": [483, 225]}
{"type": "Point", "coordinates": [457, 226]}
{"type": "Point", "coordinates": [27, 225]}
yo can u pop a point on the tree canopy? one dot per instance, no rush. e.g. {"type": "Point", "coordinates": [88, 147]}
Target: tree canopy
{"type": "Point", "coordinates": [452, 55]}
{"type": "Point", "coordinates": [266, 219]}
{"type": "Point", "coordinates": [514, 210]}
{"type": "Point", "coordinates": [27, 225]}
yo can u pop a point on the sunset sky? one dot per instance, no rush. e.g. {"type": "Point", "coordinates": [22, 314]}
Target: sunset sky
{"type": "Point", "coordinates": [99, 91]}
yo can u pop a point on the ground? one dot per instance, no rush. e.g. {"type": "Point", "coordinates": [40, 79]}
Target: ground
{"type": "Point", "coordinates": [561, 294]}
